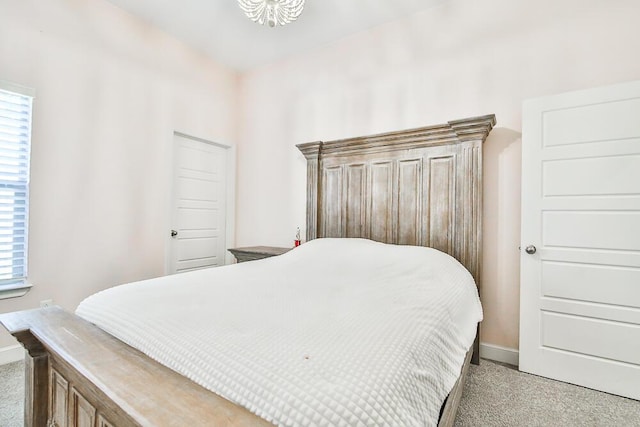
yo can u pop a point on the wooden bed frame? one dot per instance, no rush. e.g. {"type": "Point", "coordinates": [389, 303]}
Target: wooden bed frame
{"type": "Point", "coordinates": [416, 187]}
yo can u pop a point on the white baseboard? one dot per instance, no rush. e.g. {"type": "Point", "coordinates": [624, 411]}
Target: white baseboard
{"type": "Point", "coordinates": [11, 354]}
{"type": "Point", "coordinates": [499, 354]}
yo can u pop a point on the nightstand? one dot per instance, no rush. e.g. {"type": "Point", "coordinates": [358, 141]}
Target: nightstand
{"type": "Point", "coordinates": [257, 252]}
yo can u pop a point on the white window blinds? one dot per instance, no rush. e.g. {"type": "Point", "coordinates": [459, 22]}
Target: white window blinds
{"type": "Point", "coordinates": [15, 141]}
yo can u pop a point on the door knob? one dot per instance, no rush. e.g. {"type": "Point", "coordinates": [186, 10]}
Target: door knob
{"type": "Point", "coordinates": [530, 249]}
{"type": "Point", "coordinates": [174, 233]}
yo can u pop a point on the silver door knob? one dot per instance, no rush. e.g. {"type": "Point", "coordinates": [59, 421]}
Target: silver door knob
{"type": "Point", "coordinates": [174, 233]}
{"type": "Point", "coordinates": [530, 249]}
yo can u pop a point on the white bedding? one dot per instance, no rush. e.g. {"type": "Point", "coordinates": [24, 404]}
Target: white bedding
{"type": "Point", "coordinates": [337, 332]}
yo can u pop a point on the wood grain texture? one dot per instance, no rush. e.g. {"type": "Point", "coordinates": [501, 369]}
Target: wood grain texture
{"type": "Point", "coordinates": [311, 152]}
{"type": "Point", "coordinates": [102, 422]}
{"type": "Point", "coordinates": [355, 184]}
{"type": "Point", "coordinates": [448, 417]}
{"type": "Point", "coordinates": [421, 187]}
{"type": "Point", "coordinates": [36, 379]}
{"type": "Point", "coordinates": [58, 398]}
{"type": "Point", "coordinates": [82, 413]}
{"type": "Point", "coordinates": [410, 230]}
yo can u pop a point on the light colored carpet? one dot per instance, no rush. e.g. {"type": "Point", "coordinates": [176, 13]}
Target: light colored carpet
{"type": "Point", "coordinates": [494, 395]}
{"type": "Point", "coordinates": [11, 394]}
{"type": "Point", "coordinates": [497, 395]}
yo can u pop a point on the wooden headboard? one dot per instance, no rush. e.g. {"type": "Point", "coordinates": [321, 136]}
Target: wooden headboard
{"type": "Point", "coordinates": [418, 187]}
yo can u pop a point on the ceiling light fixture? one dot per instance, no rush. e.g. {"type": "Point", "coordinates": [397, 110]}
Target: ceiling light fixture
{"type": "Point", "coordinates": [272, 12]}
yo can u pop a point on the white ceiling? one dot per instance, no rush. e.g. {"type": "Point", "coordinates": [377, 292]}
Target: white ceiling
{"type": "Point", "coordinates": [220, 29]}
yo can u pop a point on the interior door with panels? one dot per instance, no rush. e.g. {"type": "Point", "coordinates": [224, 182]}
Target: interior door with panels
{"type": "Point", "coordinates": [580, 283]}
{"type": "Point", "coordinates": [198, 205]}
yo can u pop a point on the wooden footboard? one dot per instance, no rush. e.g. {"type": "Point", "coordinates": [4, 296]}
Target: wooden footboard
{"type": "Point", "coordinates": [78, 375]}
{"type": "Point", "coordinates": [450, 409]}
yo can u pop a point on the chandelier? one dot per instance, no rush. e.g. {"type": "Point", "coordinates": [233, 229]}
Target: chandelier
{"type": "Point", "coordinates": [272, 12]}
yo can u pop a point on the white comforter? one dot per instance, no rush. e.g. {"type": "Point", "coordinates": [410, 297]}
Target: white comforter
{"type": "Point", "coordinates": [338, 332]}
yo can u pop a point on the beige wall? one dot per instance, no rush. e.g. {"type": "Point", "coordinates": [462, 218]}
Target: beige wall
{"type": "Point", "coordinates": [110, 92]}
{"type": "Point", "coordinates": [460, 59]}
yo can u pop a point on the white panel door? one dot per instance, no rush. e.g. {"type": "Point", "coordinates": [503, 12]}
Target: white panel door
{"type": "Point", "coordinates": [580, 289]}
{"type": "Point", "coordinates": [198, 205]}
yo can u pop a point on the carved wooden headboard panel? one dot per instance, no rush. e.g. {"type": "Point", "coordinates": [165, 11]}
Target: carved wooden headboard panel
{"type": "Point", "coordinates": [416, 187]}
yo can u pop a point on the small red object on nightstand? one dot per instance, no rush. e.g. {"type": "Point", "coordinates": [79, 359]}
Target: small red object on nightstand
{"type": "Point", "coordinates": [297, 241]}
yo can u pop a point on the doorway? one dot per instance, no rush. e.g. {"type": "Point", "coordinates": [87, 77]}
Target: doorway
{"type": "Point", "coordinates": [198, 204]}
{"type": "Point", "coordinates": [580, 293]}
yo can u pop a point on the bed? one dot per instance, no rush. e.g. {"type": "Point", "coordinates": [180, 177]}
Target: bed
{"type": "Point", "coordinates": [416, 189]}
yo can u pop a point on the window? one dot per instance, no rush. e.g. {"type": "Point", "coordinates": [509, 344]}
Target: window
{"type": "Point", "coordinates": [15, 143]}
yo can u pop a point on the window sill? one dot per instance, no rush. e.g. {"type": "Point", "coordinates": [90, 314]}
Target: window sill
{"type": "Point", "coordinates": [14, 291]}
